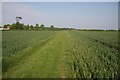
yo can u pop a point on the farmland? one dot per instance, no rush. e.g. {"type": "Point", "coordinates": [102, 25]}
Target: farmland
{"type": "Point", "coordinates": [60, 54]}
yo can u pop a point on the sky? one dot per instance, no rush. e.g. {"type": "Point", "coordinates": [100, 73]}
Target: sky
{"type": "Point", "coordinates": [60, 0]}
{"type": "Point", "coordinates": [86, 15]}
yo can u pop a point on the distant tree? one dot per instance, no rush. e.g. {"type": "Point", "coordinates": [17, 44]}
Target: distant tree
{"type": "Point", "coordinates": [19, 26]}
{"type": "Point", "coordinates": [37, 25]}
{"type": "Point", "coordinates": [26, 27]}
{"type": "Point", "coordinates": [31, 26]}
{"type": "Point", "coordinates": [18, 19]}
{"type": "Point", "coordinates": [12, 26]}
{"type": "Point", "coordinates": [42, 26]}
{"type": "Point", "coordinates": [52, 26]}
{"type": "Point", "coordinates": [6, 25]}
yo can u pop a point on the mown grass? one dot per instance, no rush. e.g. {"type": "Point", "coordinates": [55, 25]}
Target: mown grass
{"type": "Point", "coordinates": [42, 61]}
{"type": "Point", "coordinates": [60, 54]}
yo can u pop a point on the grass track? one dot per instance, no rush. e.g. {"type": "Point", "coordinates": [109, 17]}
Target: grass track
{"type": "Point", "coordinates": [46, 61]}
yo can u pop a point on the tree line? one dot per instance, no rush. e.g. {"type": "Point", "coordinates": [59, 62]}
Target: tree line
{"type": "Point", "coordinates": [21, 26]}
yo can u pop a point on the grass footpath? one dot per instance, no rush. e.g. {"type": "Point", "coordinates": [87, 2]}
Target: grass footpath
{"type": "Point", "coordinates": [45, 61]}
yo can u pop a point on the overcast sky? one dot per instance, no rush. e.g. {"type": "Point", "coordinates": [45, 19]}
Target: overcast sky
{"type": "Point", "coordinates": [97, 15]}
